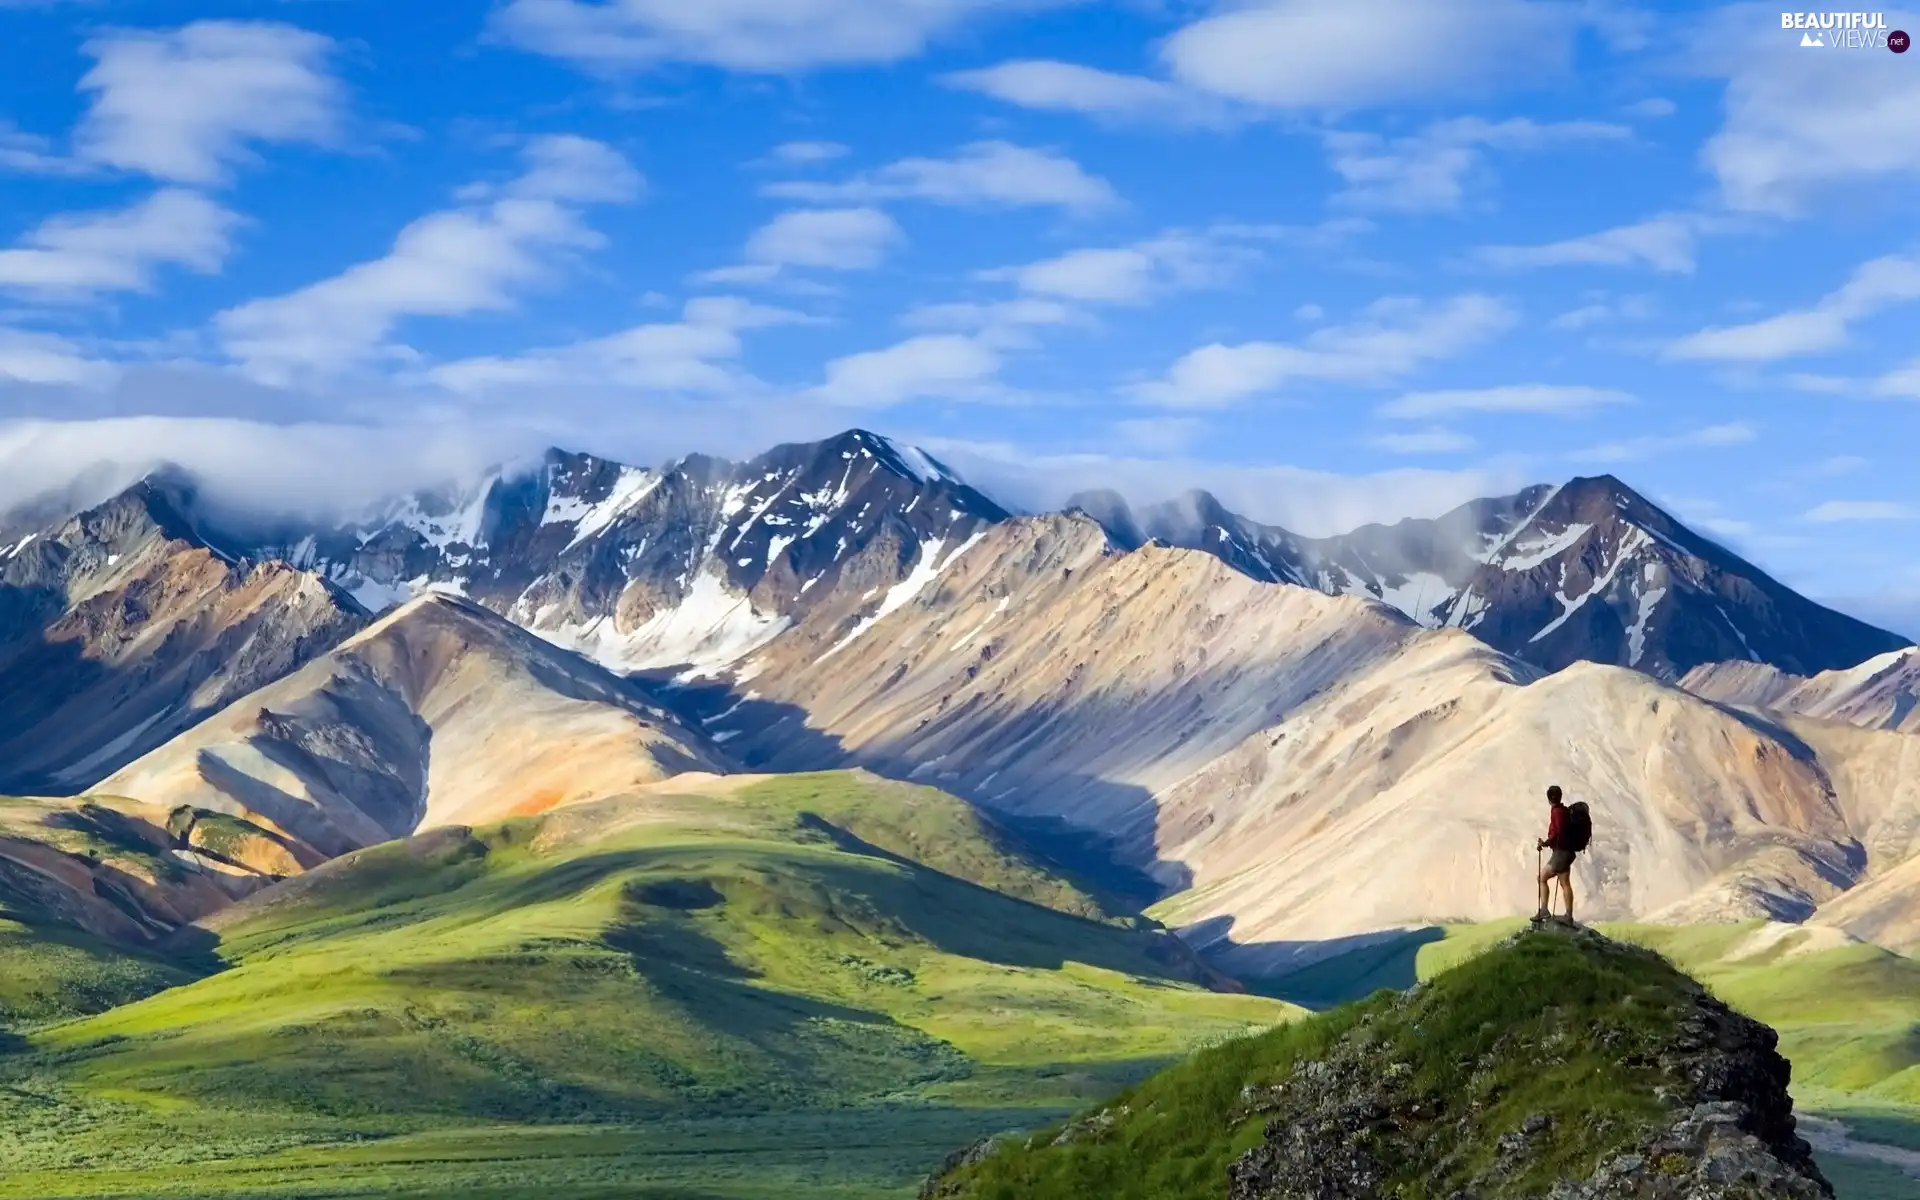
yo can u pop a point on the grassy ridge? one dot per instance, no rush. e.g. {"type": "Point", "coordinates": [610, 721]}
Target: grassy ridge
{"type": "Point", "coordinates": [1544, 1026]}
{"type": "Point", "coordinates": [741, 957]}
{"type": "Point", "coordinates": [1846, 1014]}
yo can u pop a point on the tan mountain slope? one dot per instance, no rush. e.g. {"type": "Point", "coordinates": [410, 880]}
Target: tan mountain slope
{"type": "Point", "coordinates": [1307, 767]}
{"type": "Point", "coordinates": [1881, 693]}
{"type": "Point", "coordinates": [1045, 671]}
{"type": "Point", "coordinates": [1885, 910]}
{"type": "Point", "coordinates": [120, 628]}
{"type": "Point", "coordinates": [440, 713]}
{"type": "Point", "coordinates": [1415, 796]}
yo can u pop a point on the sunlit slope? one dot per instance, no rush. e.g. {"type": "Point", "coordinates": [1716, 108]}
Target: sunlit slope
{"type": "Point", "coordinates": [748, 948]}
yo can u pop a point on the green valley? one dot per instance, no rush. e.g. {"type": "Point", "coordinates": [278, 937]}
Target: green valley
{"type": "Point", "coordinates": [810, 985]}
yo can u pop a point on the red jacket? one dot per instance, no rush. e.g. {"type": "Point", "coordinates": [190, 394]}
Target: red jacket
{"type": "Point", "coordinates": [1555, 821]}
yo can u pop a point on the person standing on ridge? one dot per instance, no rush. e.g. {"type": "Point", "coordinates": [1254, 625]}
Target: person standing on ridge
{"type": "Point", "coordinates": [1569, 829]}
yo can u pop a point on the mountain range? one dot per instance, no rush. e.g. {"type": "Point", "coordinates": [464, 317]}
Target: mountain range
{"type": "Point", "coordinates": [1289, 742]}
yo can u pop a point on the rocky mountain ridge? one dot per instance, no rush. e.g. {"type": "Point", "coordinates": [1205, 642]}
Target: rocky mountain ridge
{"type": "Point", "coordinates": [1587, 571]}
{"type": "Point", "coordinates": [124, 625]}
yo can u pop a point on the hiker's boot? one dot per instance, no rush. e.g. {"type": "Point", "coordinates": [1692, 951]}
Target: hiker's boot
{"type": "Point", "coordinates": [1542, 917]}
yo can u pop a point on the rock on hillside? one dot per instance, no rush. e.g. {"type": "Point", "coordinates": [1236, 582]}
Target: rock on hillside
{"type": "Point", "coordinates": [1559, 1064]}
{"type": "Point", "coordinates": [439, 713]}
{"type": "Point", "coordinates": [122, 626]}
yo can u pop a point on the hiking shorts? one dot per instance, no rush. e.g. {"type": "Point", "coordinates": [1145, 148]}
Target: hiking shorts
{"type": "Point", "coordinates": [1560, 863]}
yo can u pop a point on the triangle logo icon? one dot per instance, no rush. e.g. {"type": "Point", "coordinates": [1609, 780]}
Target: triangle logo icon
{"type": "Point", "coordinates": [1812, 39]}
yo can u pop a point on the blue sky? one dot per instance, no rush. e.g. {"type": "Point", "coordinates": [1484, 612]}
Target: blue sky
{"type": "Point", "coordinates": [1338, 260]}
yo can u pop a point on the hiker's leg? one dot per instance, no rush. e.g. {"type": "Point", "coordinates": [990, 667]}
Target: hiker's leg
{"type": "Point", "coordinates": [1545, 878]}
{"type": "Point", "coordinates": [1566, 883]}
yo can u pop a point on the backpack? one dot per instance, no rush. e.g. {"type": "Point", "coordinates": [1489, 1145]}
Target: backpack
{"type": "Point", "coordinates": [1578, 830]}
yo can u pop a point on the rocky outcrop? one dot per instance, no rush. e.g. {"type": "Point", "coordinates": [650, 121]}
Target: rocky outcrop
{"type": "Point", "coordinates": [1346, 1125]}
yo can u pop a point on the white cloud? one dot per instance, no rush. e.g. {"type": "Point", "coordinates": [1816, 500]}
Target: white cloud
{"type": "Point", "coordinates": [1557, 399]}
{"type": "Point", "coordinates": [186, 104]}
{"type": "Point", "coordinates": [1133, 274]}
{"type": "Point", "coordinates": [1051, 86]}
{"type": "Point", "coordinates": [446, 264]}
{"type": "Point", "coordinates": [1664, 243]}
{"type": "Point", "coordinates": [1861, 510]}
{"type": "Point", "coordinates": [1602, 310]}
{"type": "Point", "coordinates": [934, 365]}
{"type": "Point", "coordinates": [1429, 171]}
{"type": "Point", "coordinates": [1314, 503]}
{"type": "Point", "coordinates": [331, 469]}
{"type": "Point", "coordinates": [841, 239]}
{"type": "Point", "coordinates": [981, 174]}
{"type": "Point", "coordinates": [1734, 433]}
{"type": "Point", "coordinates": [49, 360]}
{"type": "Point", "coordinates": [743, 35]}
{"type": "Point", "coordinates": [29, 154]}
{"type": "Point", "coordinates": [571, 168]}
{"type": "Point", "coordinates": [78, 256]}
{"type": "Point", "coordinates": [694, 354]}
{"type": "Point", "coordinates": [1160, 434]}
{"type": "Point", "coordinates": [1800, 126]}
{"type": "Point", "coordinates": [1837, 465]}
{"type": "Point", "coordinates": [796, 154]}
{"type": "Point", "coordinates": [1424, 441]}
{"type": "Point", "coordinates": [1310, 312]}
{"type": "Point", "coordinates": [1901, 382]}
{"type": "Point", "coordinates": [1398, 336]}
{"type": "Point", "coordinates": [1652, 106]}
{"type": "Point", "coordinates": [1339, 54]}
{"type": "Point", "coordinates": [1006, 325]}
{"type": "Point", "coordinates": [1875, 285]}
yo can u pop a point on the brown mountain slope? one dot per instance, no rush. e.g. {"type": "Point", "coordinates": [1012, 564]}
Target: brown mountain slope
{"type": "Point", "coordinates": [1305, 767]}
{"type": "Point", "coordinates": [121, 871]}
{"type": "Point", "coordinates": [440, 713]}
{"type": "Point", "coordinates": [1045, 671]}
{"type": "Point", "coordinates": [121, 628]}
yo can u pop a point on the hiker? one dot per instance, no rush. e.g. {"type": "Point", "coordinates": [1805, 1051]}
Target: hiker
{"type": "Point", "coordinates": [1569, 829]}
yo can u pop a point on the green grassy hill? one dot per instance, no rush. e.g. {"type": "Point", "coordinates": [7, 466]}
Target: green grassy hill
{"type": "Point", "coordinates": [1536, 1061]}
{"type": "Point", "coordinates": [1848, 1016]}
{"type": "Point", "coordinates": [1846, 1013]}
{"type": "Point", "coordinates": [818, 983]}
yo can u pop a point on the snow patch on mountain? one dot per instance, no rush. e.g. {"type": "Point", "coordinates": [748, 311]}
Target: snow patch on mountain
{"type": "Point", "coordinates": [592, 517]}
{"type": "Point", "coordinates": [1635, 540]}
{"type": "Point", "coordinates": [1416, 596]}
{"type": "Point", "coordinates": [926, 569]}
{"type": "Point", "coordinates": [712, 628]}
{"type": "Point", "coordinates": [1637, 636]}
{"type": "Point", "coordinates": [377, 597]}
{"type": "Point", "coordinates": [1533, 554]}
